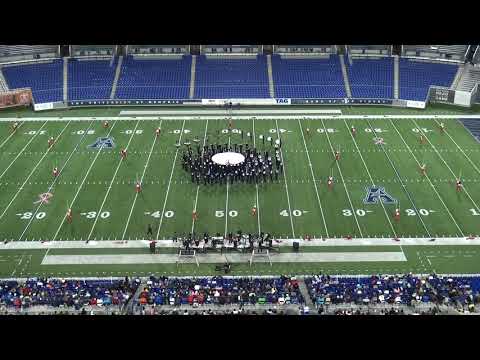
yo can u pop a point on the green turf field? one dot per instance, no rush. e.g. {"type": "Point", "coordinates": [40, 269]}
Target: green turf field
{"type": "Point", "coordinates": [100, 188]}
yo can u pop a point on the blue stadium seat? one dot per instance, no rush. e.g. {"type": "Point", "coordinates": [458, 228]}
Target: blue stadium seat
{"type": "Point", "coordinates": [231, 78]}
{"type": "Point", "coordinates": [308, 78]}
{"type": "Point", "coordinates": [90, 79]}
{"type": "Point", "coordinates": [154, 79]}
{"type": "Point", "coordinates": [371, 78]}
{"type": "Point", "coordinates": [45, 80]}
{"type": "Point", "coordinates": [416, 78]}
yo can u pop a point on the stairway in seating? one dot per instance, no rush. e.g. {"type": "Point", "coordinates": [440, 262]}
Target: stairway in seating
{"type": "Point", "coordinates": [306, 296]}
{"type": "Point", "coordinates": [345, 76]}
{"type": "Point", "coordinates": [192, 76]}
{"type": "Point", "coordinates": [117, 76]}
{"type": "Point", "coordinates": [3, 82]}
{"type": "Point", "coordinates": [458, 76]}
{"type": "Point", "coordinates": [65, 79]}
{"type": "Point", "coordinates": [396, 77]}
{"type": "Point", "coordinates": [271, 88]}
{"type": "Point", "coordinates": [470, 77]}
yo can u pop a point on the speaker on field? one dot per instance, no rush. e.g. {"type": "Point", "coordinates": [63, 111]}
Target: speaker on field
{"type": "Point", "coordinates": [296, 246]}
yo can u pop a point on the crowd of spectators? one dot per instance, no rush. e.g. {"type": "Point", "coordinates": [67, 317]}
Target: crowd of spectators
{"type": "Point", "coordinates": [217, 295]}
{"type": "Point", "coordinates": [221, 291]}
{"type": "Point", "coordinates": [395, 289]}
{"type": "Point", "coordinates": [61, 293]}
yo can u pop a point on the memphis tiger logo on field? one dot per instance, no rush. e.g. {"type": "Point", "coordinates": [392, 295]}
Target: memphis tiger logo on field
{"type": "Point", "coordinates": [374, 193]}
{"type": "Point", "coordinates": [103, 142]}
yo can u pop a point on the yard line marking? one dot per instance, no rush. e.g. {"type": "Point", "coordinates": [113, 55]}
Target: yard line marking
{"type": "Point", "coordinates": [461, 150]}
{"type": "Point", "coordinates": [443, 160]}
{"type": "Point", "coordinates": [370, 176]}
{"type": "Point", "coordinates": [343, 181]}
{"type": "Point", "coordinates": [285, 178]}
{"type": "Point", "coordinates": [55, 180]}
{"type": "Point", "coordinates": [9, 136]}
{"type": "Point", "coordinates": [21, 151]}
{"type": "Point", "coordinates": [226, 201]}
{"type": "Point", "coordinates": [314, 181]}
{"type": "Point", "coordinates": [428, 178]}
{"type": "Point", "coordinates": [401, 181]}
{"type": "Point", "coordinates": [111, 183]}
{"type": "Point", "coordinates": [141, 182]}
{"type": "Point", "coordinates": [256, 184]}
{"type": "Point", "coordinates": [170, 180]}
{"type": "Point", "coordinates": [198, 186]}
{"type": "Point", "coordinates": [31, 173]}
{"type": "Point", "coordinates": [81, 184]}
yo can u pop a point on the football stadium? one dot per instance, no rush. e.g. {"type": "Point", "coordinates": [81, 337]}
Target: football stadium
{"type": "Point", "coordinates": [239, 179]}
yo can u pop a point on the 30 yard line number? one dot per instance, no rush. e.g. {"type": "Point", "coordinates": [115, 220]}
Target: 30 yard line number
{"type": "Point", "coordinates": [358, 212]}
{"type": "Point", "coordinates": [93, 214]}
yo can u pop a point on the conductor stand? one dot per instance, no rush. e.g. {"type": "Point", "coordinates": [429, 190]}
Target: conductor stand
{"type": "Point", "coordinates": [260, 253]}
{"type": "Point", "coordinates": [185, 255]}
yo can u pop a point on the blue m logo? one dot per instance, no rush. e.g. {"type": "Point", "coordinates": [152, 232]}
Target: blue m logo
{"type": "Point", "coordinates": [102, 142]}
{"type": "Point", "coordinates": [374, 193]}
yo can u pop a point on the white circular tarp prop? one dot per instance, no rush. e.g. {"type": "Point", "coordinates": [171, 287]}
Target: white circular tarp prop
{"type": "Point", "coordinates": [228, 158]}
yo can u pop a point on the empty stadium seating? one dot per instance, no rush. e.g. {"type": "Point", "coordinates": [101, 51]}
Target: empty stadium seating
{"type": "Point", "coordinates": [308, 78]}
{"type": "Point", "coordinates": [45, 79]}
{"type": "Point", "coordinates": [416, 78]}
{"type": "Point", "coordinates": [231, 78]}
{"type": "Point", "coordinates": [371, 78]}
{"type": "Point", "coordinates": [154, 79]}
{"type": "Point", "coordinates": [90, 79]}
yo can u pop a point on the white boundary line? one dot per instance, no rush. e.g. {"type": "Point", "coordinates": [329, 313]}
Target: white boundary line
{"type": "Point", "coordinates": [371, 179]}
{"type": "Point", "coordinates": [141, 182]}
{"type": "Point", "coordinates": [443, 160]}
{"type": "Point", "coordinates": [343, 180]}
{"type": "Point", "coordinates": [169, 243]}
{"type": "Point", "coordinates": [31, 173]}
{"type": "Point", "coordinates": [170, 181]}
{"type": "Point", "coordinates": [111, 183]}
{"type": "Point", "coordinates": [428, 178]}
{"type": "Point", "coordinates": [195, 116]}
{"type": "Point", "coordinates": [81, 185]}
{"type": "Point", "coordinates": [198, 186]}
{"type": "Point", "coordinates": [461, 150]}
{"type": "Point", "coordinates": [21, 151]}
{"type": "Point", "coordinates": [256, 184]}
{"type": "Point", "coordinates": [55, 180]}
{"type": "Point", "coordinates": [314, 180]}
{"type": "Point", "coordinates": [290, 215]}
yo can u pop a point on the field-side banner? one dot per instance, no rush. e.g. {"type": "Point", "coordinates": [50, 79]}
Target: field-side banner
{"type": "Point", "coordinates": [43, 106]}
{"type": "Point", "coordinates": [416, 104]}
{"type": "Point", "coordinates": [233, 102]}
